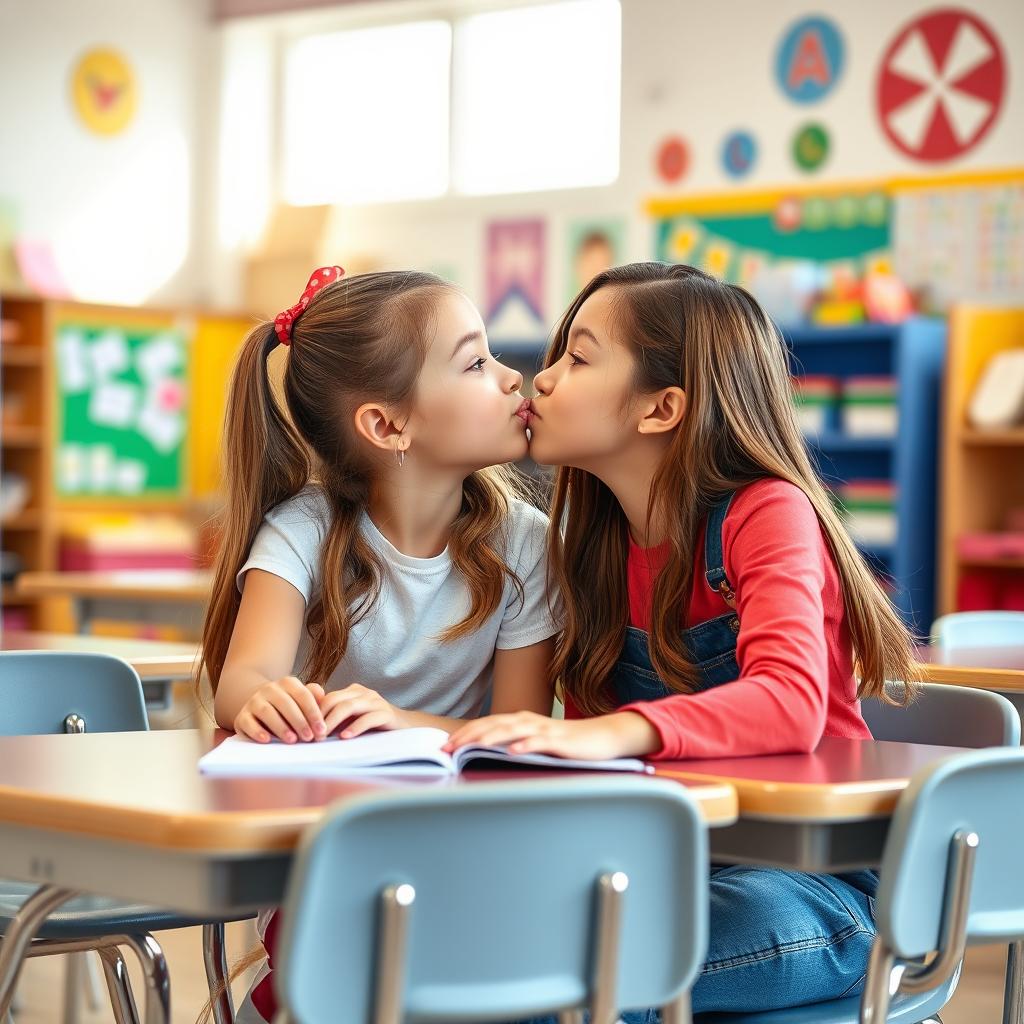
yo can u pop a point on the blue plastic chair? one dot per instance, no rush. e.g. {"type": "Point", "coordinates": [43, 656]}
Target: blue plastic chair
{"type": "Point", "coordinates": [484, 902]}
{"type": "Point", "coordinates": [949, 876]}
{"type": "Point", "coordinates": [978, 629]}
{"type": "Point", "coordinates": [56, 692]}
{"type": "Point", "coordinates": [953, 716]}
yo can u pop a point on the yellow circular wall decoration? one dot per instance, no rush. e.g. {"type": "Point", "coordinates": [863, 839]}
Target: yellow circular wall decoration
{"type": "Point", "coordinates": [103, 91]}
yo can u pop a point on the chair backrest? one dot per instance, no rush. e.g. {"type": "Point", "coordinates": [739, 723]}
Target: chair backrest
{"type": "Point", "coordinates": [978, 629]}
{"type": "Point", "coordinates": [955, 716]}
{"type": "Point", "coordinates": [39, 690]}
{"type": "Point", "coordinates": [504, 921]}
{"type": "Point", "coordinates": [974, 792]}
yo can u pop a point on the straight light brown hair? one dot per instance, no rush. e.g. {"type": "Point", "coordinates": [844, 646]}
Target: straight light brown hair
{"type": "Point", "coordinates": [361, 339]}
{"type": "Point", "coordinates": [686, 329]}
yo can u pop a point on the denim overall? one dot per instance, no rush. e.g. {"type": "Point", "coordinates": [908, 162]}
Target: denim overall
{"type": "Point", "coordinates": [711, 645]}
{"type": "Point", "coordinates": [777, 938]}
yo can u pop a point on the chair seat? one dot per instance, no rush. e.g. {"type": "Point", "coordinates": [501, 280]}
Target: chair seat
{"type": "Point", "coordinates": [904, 1010]}
{"type": "Point", "coordinates": [86, 917]}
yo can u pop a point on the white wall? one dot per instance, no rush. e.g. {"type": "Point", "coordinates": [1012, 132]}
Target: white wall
{"type": "Point", "coordinates": [140, 217]}
{"type": "Point", "coordinates": [121, 212]}
{"type": "Point", "coordinates": [696, 68]}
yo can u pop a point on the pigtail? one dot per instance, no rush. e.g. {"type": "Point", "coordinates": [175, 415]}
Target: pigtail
{"type": "Point", "coordinates": [265, 462]}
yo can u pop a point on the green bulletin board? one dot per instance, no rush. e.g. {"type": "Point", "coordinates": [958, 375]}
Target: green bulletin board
{"type": "Point", "coordinates": [734, 239]}
{"type": "Point", "coordinates": [122, 411]}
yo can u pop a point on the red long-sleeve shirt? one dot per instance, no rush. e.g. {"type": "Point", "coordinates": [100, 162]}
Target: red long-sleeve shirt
{"type": "Point", "coordinates": [796, 679]}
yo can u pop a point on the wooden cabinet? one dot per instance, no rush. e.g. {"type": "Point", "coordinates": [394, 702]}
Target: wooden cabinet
{"type": "Point", "coordinates": [982, 471]}
{"type": "Point", "coordinates": [25, 451]}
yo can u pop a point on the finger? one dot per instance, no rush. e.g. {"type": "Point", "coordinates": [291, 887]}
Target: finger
{"type": "Point", "coordinates": [343, 710]}
{"type": "Point", "coordinates": [317, 690]}
{"type": "Point", "coordinates": [539, 745]}
{"type": "Point", "coordinates": [466, 734]}
{"type": "Point", "coordinates": [246, 725]}
{"type": "Point", "coordinates": [286, 706]}
{"type": "Point", "coordinates": [373, 720]}
{"type": "Point", "coordinates": [271, 719]}
{"type": "Point", "coordinates": [510, 732]}
{"type": "Point", "coordinates": [307, 704]}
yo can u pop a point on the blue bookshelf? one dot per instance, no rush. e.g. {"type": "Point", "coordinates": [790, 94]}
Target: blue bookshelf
{"type": "Point", "coordinates": [913, 353]}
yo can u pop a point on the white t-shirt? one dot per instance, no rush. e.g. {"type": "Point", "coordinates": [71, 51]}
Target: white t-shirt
{"type": "Point", "coordinates": [394, 648]}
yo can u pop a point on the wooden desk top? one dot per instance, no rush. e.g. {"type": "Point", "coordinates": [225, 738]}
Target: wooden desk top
{"type": "Point", "coordinates": [842, 780]}
{"type": "Point", "coordinates": [179, 585]}
{"type": "Point", "coordinates": [986, 668]}
{"type": "Point", "coordinates": [152, 659]}
{"type": "Point", "coordinates": [144, 787]}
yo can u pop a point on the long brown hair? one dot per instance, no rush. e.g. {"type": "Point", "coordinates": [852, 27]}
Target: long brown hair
{"type": "Point", "coordinates": [363, 338]}
{"type": "Point", "coordinates": [689, 330]}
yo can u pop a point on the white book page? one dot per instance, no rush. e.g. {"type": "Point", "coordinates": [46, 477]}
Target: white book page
{"type": "Point", "coordinates": [402, 751]}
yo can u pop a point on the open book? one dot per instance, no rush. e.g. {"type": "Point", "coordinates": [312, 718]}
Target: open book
{"type": "Point", "coordinates": [400, 752]}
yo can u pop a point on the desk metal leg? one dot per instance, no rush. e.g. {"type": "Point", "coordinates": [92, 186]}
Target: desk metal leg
{"type": "Point", "coordinates": [19, 935]}
{"type": "Point", "coordinates": [1013, 998]}
{"type": "Point", "coordinates": [216, 962]}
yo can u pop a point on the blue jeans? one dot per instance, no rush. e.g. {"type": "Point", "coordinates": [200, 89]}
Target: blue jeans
{"type": "Point", "coordinates": [780, 939]}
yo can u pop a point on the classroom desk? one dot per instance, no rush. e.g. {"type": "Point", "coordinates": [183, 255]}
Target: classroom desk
{"type": "Point", "coordinates": [128, 815]}
{"type": "Point", "coordinates": [826, 811]}
{"type": "Point", "coordinates": [986, 668]}
{"type": "Point", "coordinates": [159, 664]}
{"type": "Point", "coordinates": [158, 596]}
{"type": "Point", "coordinates": [72, 817]}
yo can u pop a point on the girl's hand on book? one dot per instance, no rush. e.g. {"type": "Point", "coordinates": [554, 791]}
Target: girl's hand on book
{"type": "Point", "coordinates": [285, 708]}
{"type": "Point", "coordinates": [362, 708]}
{"type": "Point", "coordinates": [585, 739]}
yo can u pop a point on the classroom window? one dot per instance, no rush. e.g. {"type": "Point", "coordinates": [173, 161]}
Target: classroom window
{"type": "Point", "coordinates": [366, 115]}
{"type": "Point", "coordinates": [536, 98]}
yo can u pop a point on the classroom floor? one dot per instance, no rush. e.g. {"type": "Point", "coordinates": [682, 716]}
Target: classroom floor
{"type": "Point", "coordinates": [978, 1000]}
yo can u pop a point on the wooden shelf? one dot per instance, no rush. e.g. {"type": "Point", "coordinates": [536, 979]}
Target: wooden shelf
{"type": "Point", "coordinates": [992, 563]}
{"type": "Point", "coordinates": [26, 446]}
{"type": "Point", "coordinates": [30, 519]}
{"type": "Point", "coordinates": [981, 479]}
{"type": "Point", "coordinates": [1012, 436]}
{"type": "Point", "coordinates": [19, 354]}
{"type": "Point", "coordinates": [20, 436]}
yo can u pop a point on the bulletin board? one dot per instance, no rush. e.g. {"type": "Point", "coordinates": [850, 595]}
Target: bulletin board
{"type": "Point", "coordinates": [735, 236]}
{"type": "Point", "coordinates": [121, 409]}
{"type": "Point", "coordinates": [959, 237]}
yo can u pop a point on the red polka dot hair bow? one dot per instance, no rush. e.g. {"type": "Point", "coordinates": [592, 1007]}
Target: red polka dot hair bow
{"type": "Point", "coordinates": [284, 323]}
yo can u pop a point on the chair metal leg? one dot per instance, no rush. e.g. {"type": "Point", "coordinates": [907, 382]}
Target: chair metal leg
{"type": "Point", "coordinates": [1013, 998]}
{"type": "Point", "coordinates": [73, 964]}
{"type": "Point", "coordinates": [610, 892]}
{"type": "Point", "coordinates": [678, 1012]}
{"type": "Point", "coordinates": [80, 973]}
{"type": "Point", "coordinates": [216, 962]}
{"type": "Point", "coordinates": [156, 976]}
{"type": "Point", "coordinates": [19, 937]}
{"type": "Point", "coordinates": [115, 970]}
{"type": "Point", "coordinates": [93, 983]}
{"type": "Point", "coordinates": [879, 985]}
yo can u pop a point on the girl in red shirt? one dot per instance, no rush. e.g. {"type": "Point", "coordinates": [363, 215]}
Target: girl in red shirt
{"type": "Point", "coordinates": [713, 603]}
